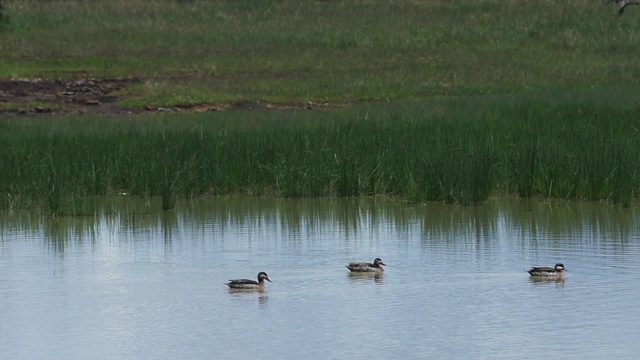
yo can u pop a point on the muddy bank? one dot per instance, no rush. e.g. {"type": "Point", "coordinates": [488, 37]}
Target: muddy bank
{"type": "Point", "coordinates": [85, 96]}
{"type": "Point", "coordinates": [98, 96]}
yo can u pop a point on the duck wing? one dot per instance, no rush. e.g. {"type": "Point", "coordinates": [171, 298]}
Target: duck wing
{"type": "Point", "coordinates": [240, 282]}
{"type": "Point", "coordinates": [542, 269]}
{"type": "Point", "coordinates": [360, 267]}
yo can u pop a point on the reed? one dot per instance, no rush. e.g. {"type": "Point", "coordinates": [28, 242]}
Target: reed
{"type": "Point", "coordinates": [579, 151]}
{"type": "Point", "coordinates": [531, 98]}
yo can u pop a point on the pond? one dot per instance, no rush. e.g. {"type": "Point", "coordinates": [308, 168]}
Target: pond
{"type": "Point", "coordinates": [131, 285]}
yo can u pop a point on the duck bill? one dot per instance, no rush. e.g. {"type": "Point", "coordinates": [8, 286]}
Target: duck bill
{"type": "Point", "coordinates": [268, 279]}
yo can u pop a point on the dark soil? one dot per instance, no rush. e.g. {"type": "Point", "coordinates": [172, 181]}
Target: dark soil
{"type": "Point", "coordinates": [87, 96]}
{"type": "Point", "coordinates": [97, 96]}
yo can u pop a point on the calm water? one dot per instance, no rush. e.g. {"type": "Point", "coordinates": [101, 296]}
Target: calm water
{"type": "Point", "coordinates": [151, 286]}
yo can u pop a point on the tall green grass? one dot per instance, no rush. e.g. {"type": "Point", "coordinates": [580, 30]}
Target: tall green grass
{"type": "Point", "coordinates": [534, 149]}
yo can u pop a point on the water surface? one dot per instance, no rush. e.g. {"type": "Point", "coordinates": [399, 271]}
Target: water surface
{"type": "Point", "coordinates": [129, 285]}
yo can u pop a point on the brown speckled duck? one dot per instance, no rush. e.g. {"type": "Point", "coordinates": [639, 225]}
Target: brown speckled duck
{"type": "Point", "coordinates": [555, 272]}
{"type": "Point", "coordinates": [246, 284]}
{"type": "Point", "coordinates": [367, 267]}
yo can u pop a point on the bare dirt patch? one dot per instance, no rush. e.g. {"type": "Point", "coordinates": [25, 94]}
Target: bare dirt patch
{"type": "Point", "coordinates": [98, 96]}
{"type": "Point", "coordinates": [85, 96]}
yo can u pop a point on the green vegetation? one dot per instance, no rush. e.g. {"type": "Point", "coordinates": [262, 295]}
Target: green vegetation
{"type": "Point", "coordinates": [450, 101]}
{"type": "Point", "coordinates": [406, 150]}
{"type": "Point", "coordinates": [292, 51]}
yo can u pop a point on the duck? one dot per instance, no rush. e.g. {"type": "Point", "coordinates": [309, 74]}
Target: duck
{"type": "Point", "coordinates": [543, 271]}
{"type": "Point", "coordinates": [247, 284]}
{"type": "Point", "coordinates": [367, 267]}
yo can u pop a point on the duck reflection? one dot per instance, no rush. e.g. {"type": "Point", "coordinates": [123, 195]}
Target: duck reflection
{"type": "Point", "coordinates": [242, 294]}
{"type": "Point", "coordinates": [263, 300]}
{"type": "Point", "coordinates": [238, 292]}
{"type": "Point", "coordinates": [547, 280]}
{"type": "Point", "coordinates": [361, 277]}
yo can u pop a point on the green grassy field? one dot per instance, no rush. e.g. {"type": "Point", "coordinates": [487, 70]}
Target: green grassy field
{"type": "Point", "coordinates": [448, 101]}
{"type": "Point", "coordinates": [287, 51]}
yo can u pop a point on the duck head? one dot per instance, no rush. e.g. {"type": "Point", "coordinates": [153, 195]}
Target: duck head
{"type": "Point", "coordinates": [263, 276]}
{"type": "Point", "coordinates": [378, 262]}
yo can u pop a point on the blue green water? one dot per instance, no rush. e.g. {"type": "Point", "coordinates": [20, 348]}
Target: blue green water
{"type": "Point", "coordinates": [130, 286]}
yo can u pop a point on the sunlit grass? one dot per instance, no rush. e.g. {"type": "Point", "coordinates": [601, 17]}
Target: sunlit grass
{"type": "Point", "coordinates": [340, 51]}
{"type": "Point", "coordinates": [467, 100]}
{"type": "Point", "coordinates": [533, 149]}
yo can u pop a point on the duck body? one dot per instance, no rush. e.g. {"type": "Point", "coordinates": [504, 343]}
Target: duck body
{"type": "Point", "coordinates": [247, 284]}
{"type": "Point", "coordinates": [557, 271]}
{"type": "Point", "coordinates": [364, 267]}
